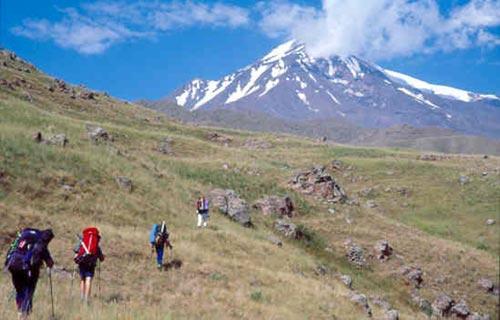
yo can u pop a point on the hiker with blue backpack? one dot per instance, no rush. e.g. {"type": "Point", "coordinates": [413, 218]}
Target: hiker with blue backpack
{"type": "Point", "coordinates": [24, 259]}
{"type": "Point", "coordinates": [88, 254]}
{"type": "Point", "coordinates": [202, 211]}
{"type": "Point", "coordinates": [159, 239]}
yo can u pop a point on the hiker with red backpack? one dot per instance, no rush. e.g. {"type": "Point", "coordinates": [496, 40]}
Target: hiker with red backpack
{"type": "Point", "coordinates": [202, 211]}
{"type": "Point", "coordinates": [87, 254]}
{"type": "Point", "coordinates": [159, 239]}
{"type": "Point", "coordinates": [24, 259]}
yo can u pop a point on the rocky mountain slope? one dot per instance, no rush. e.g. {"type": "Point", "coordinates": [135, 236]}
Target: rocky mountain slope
{"type": "Point", "coordinates": [299, 229]}
{"type": "Point", "coordinates": [289, 84]}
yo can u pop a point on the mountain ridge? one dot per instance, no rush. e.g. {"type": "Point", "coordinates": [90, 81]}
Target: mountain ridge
{"type": "Point", "coordinates": [288, 83]}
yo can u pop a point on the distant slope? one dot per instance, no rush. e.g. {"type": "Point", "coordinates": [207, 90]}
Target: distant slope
{"type": "Point", "coordinates": [425, 139]}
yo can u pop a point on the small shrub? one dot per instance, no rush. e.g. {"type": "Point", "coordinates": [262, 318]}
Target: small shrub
{"type": "Point", "coordinates": [256, 296]}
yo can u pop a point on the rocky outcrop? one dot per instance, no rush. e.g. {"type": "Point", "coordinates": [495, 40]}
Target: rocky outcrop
{"type": "Point", "coordinates": [442, 305]}
{"type": "Point", "coordinates": [230, 204]}
{"type": "Point", "coordinates": [286, 227]}
{"type": "Point", "coordinates": [355, 254]}
{"type": "Point", "coordinates": [460, 310]}
{"type": "Point", "coordinates": [361, 300]}
{"type": "Point", "coordinates": [414, 275]}
{"type": "Point", "coordinates": [165, 146]}
{"type": "Point", "coordinates": [319, 183]}
{"type": "Point", "coordinates": [347, 280]}
{"type": "Point", "coordinates": [97, 134]}
{"type": "Point", "coordinates": [55, 140]}
{"type": "Point", "coordinates": [282, 206]}
{"type": "Point", "coordinates": [219, 138]}
{"type": "Point", "coordinates": [488, 286]}
{"type": "Point", "coordinates": [383, 250]}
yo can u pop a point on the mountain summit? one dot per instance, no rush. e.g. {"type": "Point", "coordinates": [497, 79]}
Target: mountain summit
{"type": "Point", "coordinates": [290, 84]}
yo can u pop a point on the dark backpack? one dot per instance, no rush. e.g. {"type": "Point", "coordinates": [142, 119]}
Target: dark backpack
{"type": "Point", "coordinates": [26, 251]}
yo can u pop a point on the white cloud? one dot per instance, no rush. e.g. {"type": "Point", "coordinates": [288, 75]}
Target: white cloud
{"type": "Point", "coordinates": [96, 26]}
{"type": "Point", "coordinates": [382, 29]}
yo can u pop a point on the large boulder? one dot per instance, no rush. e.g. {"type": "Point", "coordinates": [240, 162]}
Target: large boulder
{"type": "Point", "coordinates": [282, 206]}
{"type": "Point", "coordinates": [57, 140]}
{"type": "Point", "coordinates": [460, 310]}
{"type": "Point", "coordinates": [355, 254]}
{"type": "Point", "coordinates": [317, 181]}
{"type": "Point", "coordinates": [383, 250]}
{"type": "Point", "coordinates": [442, 305]}
{"type": "Point", "coordinates": [230, 204]}
{"type": "Point", "coordinates": [414, 275]}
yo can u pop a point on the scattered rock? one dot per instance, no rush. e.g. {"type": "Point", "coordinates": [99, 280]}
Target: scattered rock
{"type": "Point", "coordinates": [371, 204]}
{"type": "Point", "coordinates": [487, 285]}
{"type": "Point", "coordinates": [286, 227]}
{"type": "Point", "coordinates": [490, 222]}
{"type": "Point", "coordinates": [442, 305]}
{"type": "Point", "coordinates": [165, 146]}
{"type": "Point", "coordinates": [225, 166]}
{"type": "Point", "coordinates": [87, 95]}
{"type": "Point", "coordinates": [216, 137]}
{"type": "Point", "coordinates": [366, 192]}
{"type": "Point", "coordinates": [463, 180]}
{"type": "Point", "coordinates": [124, 183]}
{"type": "Point", "coordinates": [461, 310]}
{"type": "Point", "coordinates": [318, 182]}
{"type": "Point", "coordinates": [257, 144]}
{"type": "Point", "coordinates": [355, 255]}
{"type": "Point", "coordinates": [275, 240]}
{"type": "Point", "coordinates": [322, 139]}
{"type": "Point", "coordinates": [321, 270]}
{"type": "Point", "coordinates": [423, 304]}
{"type": "Point", "coordinates": [37, 137]}
{"type": "Point", "coordinates": [58, 140]}
{"type": "Point", "coordinates": [383, 250]}
{"type": "Point", "coordinates": [331, 211]}
{"type": "Point", "coordinates": [381, 302]}
{"type": "Point", "coordinates": [282, 206]}
{"type": "Point", "coordinates": [347, 280]}
{"type": "Point", "coordinates": [432, 157]}
{"type": "Point", "coordinates": [97, 134]}
{"type": "Point", "coordinates": [392, 315]}
{"type": "Point", "coordinates": [337, 165]}
{"type": "Point", "coordinates": [477, 316]}
{"type": "Point", "coordinates": [414, 275]}
{"type": "Point", "coordinates": [230, 204]}
{"type": "Point", "coordinates": [361, 300]}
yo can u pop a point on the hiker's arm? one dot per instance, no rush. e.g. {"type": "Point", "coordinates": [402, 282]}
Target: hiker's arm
{"type": "Point", "coordinates": [169, 244]}
{"type": "Point", "coordinates": [100, 255]}
{"type": "Point", "coordinates": [48, 259]}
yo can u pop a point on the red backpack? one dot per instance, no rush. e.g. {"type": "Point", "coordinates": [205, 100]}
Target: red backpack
{"type": "Point", "coordinates": [89, 244]}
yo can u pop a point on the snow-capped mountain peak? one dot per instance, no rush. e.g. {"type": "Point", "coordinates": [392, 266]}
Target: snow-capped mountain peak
{"type": "Point", "coordinates": [289, 83]}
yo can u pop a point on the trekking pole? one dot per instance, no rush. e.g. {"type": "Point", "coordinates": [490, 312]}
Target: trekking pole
{"type": "Point", "coordinates": [51, 293]}
{"type": "Point", "coordinates": [99, 278]}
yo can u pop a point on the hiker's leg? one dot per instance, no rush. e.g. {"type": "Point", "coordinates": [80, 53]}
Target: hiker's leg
{"type": "Point", "coordinates": [30, 292]}
{"type": "Point", "coordinates": [200, 220]}
{"type": "Point", "coordinates": [205, 219]}
{"type": "Point", "coordinates": [88, 288]}
{"type": "Point", "coordinates": [159, 255]}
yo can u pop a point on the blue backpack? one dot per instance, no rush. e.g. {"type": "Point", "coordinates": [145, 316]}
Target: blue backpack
{"type": "Point", "coordinates": [26, 251]}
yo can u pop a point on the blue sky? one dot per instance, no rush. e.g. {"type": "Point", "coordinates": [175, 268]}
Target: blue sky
{"type": "Point", "coordinates": [147, 49]}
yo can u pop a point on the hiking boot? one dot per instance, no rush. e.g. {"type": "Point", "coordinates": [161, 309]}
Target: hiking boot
{"type": "Point", "coordinates": [160, 267]}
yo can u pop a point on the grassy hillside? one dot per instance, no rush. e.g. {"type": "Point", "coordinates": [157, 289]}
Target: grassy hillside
{"type": "Point", "coordinates": [228, 271]}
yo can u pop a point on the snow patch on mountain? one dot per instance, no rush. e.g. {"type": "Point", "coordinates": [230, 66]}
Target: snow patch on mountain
{"type": "Point", "coordinates": [439, 90]}
{"type": "Point", "coordinates": [419, 98]}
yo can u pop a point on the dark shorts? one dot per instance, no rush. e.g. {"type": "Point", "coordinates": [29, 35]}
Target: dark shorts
{"type": "Point", "coordinates": [86, 271]}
